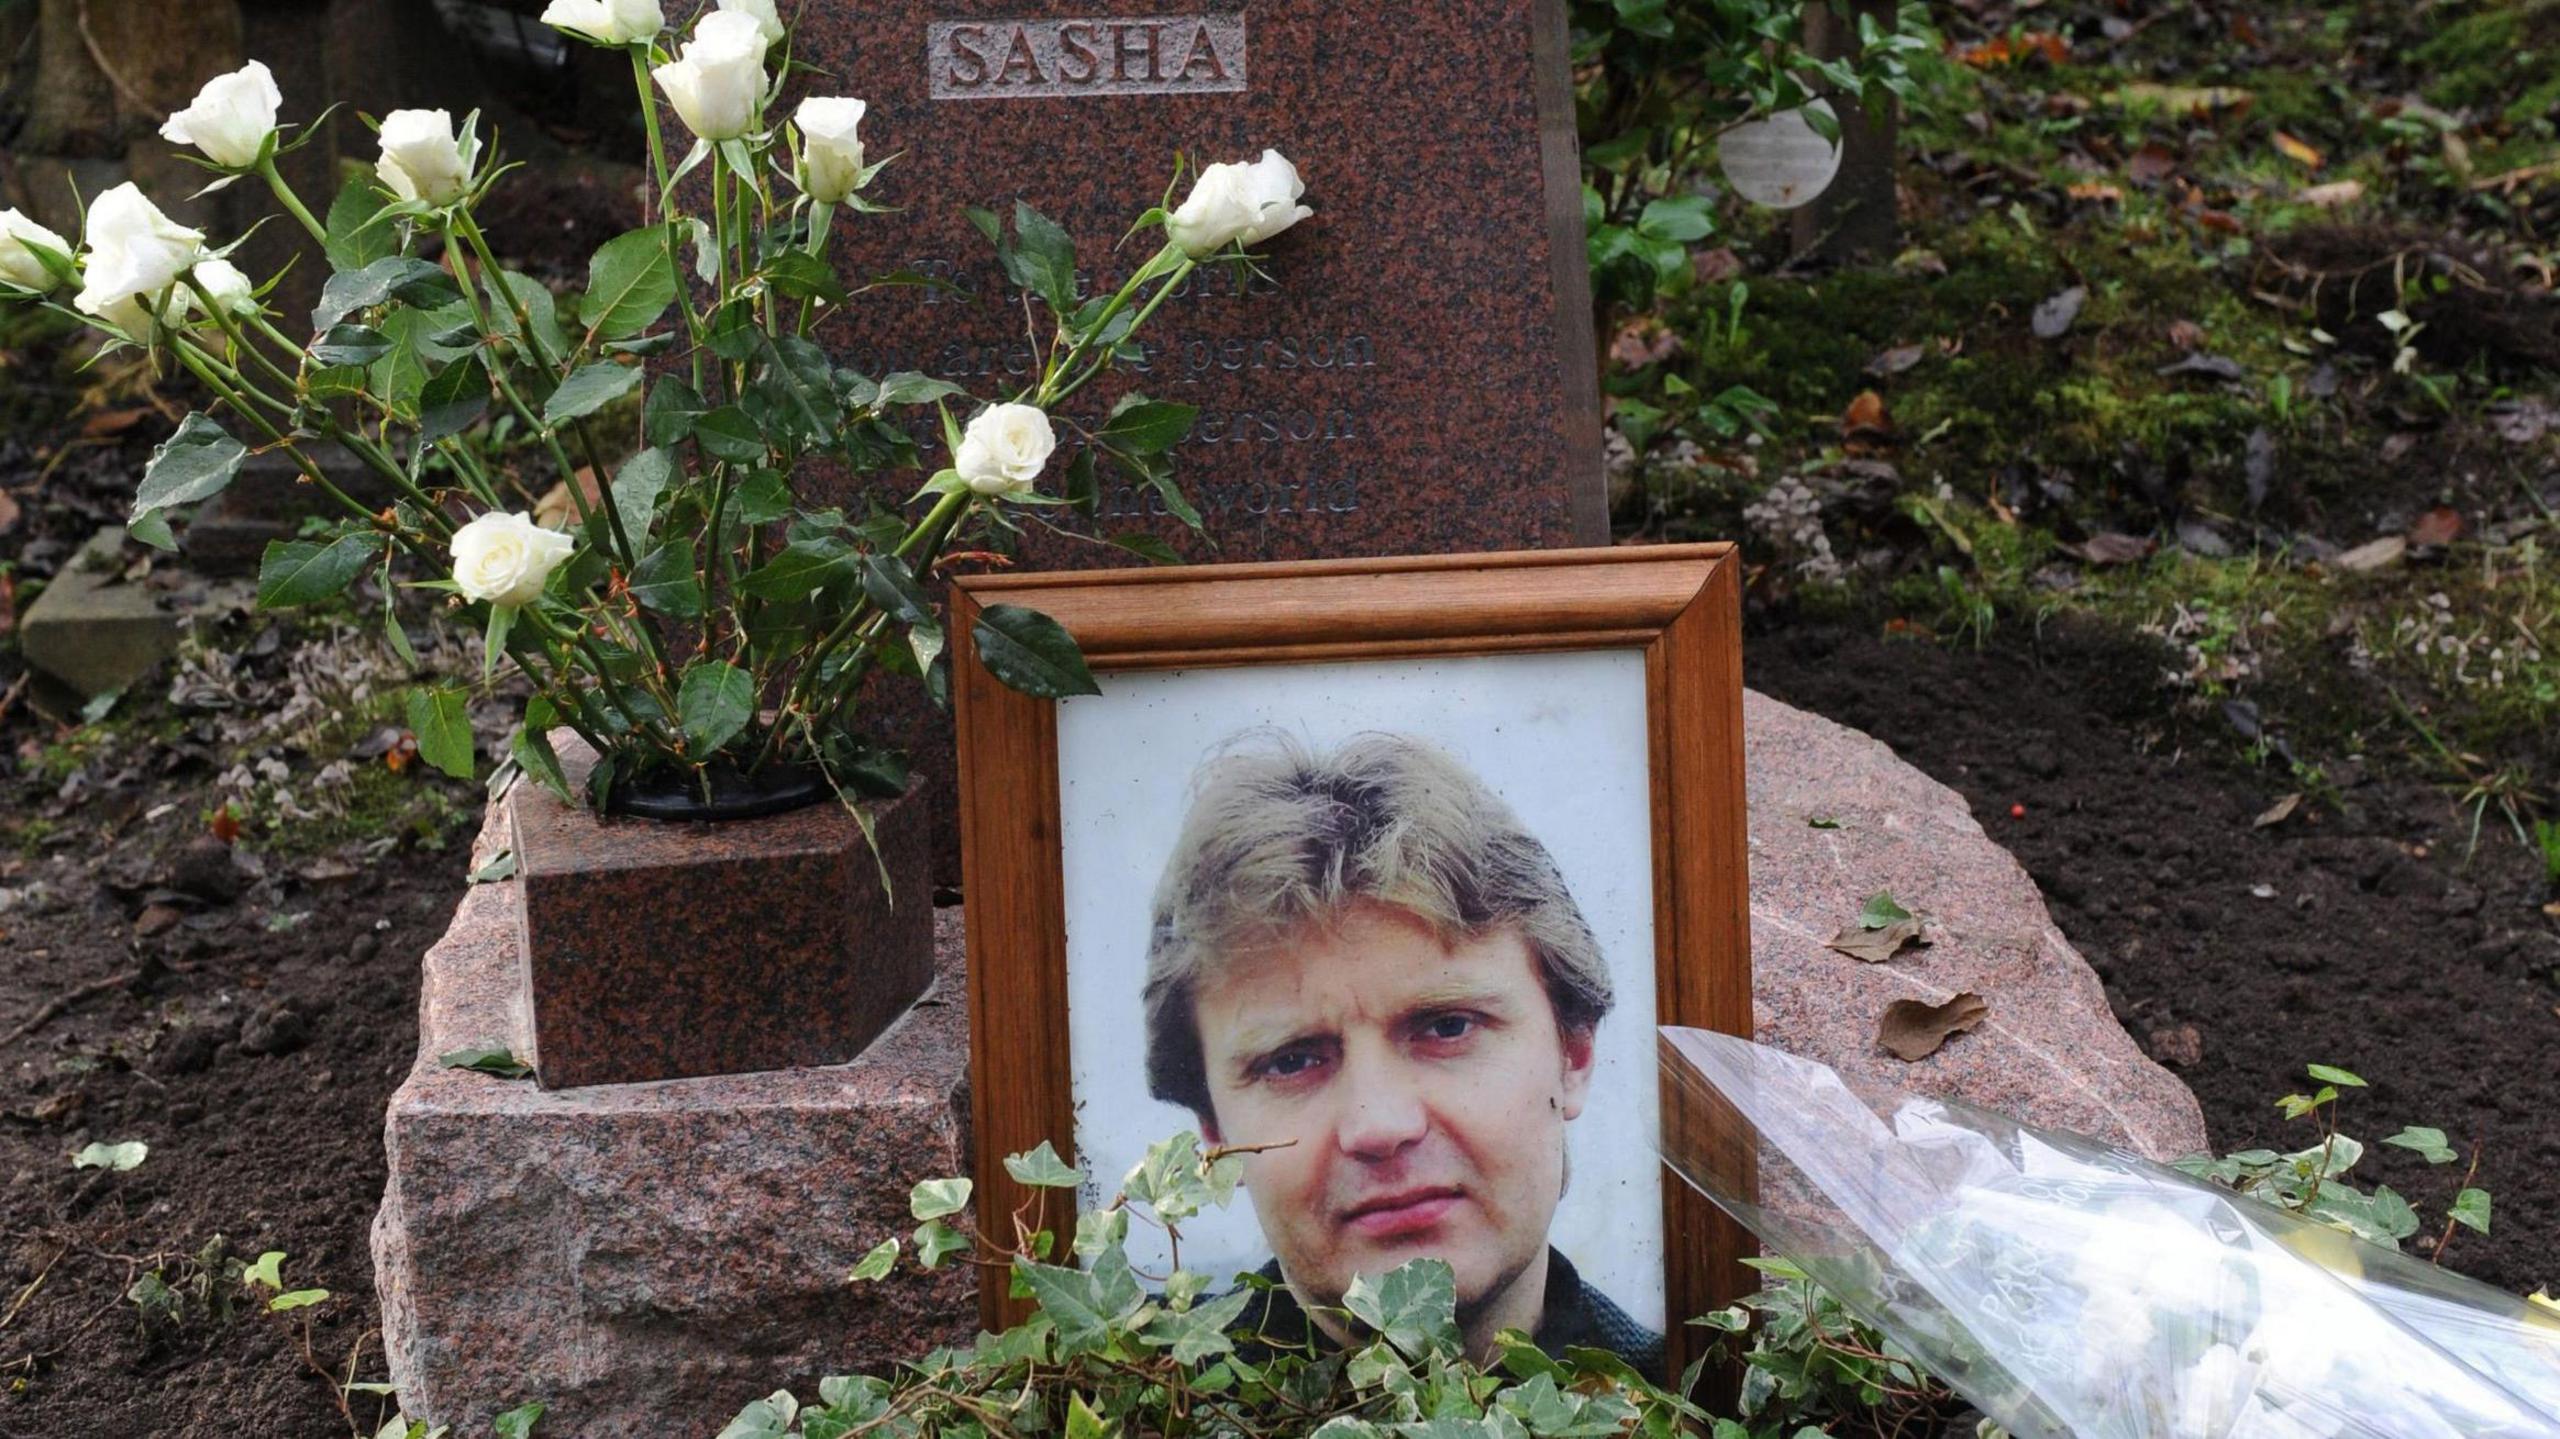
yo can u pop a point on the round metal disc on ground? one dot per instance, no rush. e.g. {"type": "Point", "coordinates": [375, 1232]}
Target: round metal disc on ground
{"type": "Point", "coordinates": [1781, 162]}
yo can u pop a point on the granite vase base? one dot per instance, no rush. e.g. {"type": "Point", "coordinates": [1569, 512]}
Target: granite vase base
{"type": "Point", "coordinates": [658, 949]}
{"type": "Point", "coordinates": [647, 1259]}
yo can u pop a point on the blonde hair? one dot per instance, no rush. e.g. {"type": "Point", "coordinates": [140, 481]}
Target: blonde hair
{"type": "Point", "coordinates": [1281, 837]}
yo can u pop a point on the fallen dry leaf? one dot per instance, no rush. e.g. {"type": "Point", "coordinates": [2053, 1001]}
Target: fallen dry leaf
{"type": "Point", "coordinates": [2150, 164]}
{"type": "Point", "coordinates": [1875, 946]}
{"type": "Point", "coordinates": [2098, 191]}
{"type": "Point", "coordinates": [2333, 194]}
{"type": "Point", "coordinates": [224, 824]}
{"type": "Point", "coordinates": [2053, 318]}
{"type": "Point", "coordinates": [2185, 334]}
{"type": "Point", "coordinates": [2110, 548]}
{"type": "Point", "coordinates": [2298, 152]}
{"type": "Point", "coordinates": [1643, 341]}
{"type": "Point", "coordinates": [2379, 555]}
{"type": "Point", "coordinates": [113, 422]}
{"type": "Point", "coordinates": [1714, 267]}
{"type": "Point", "coordinates": [1896, 360]}
{"type": "Point", "coordinates": [2277, 813]}
{"type": "Point", "coordinates": [9, 512]}
{"type": "Point", "coordinates": [1912, 1031]}
{"type": "Point", "coordinates": [2221, 220]}
{"type": "Point", "coordinates": [1866, 415]}
{"type": "Point", "coordinates": [2439, 526]}
{"type": "Point", "coordinates": [2521, 422]}
{"type": "Point", "coordinates": [2010, 49]}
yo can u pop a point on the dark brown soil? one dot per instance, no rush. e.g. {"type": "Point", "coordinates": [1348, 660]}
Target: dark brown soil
{"type": "Point", "coordinates": [2379, 950]}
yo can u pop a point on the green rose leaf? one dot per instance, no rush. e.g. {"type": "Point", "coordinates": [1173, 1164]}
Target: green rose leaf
{"type": "Point", "coordinates": [636, 488]}
{"type": "Point", "coordinates": [804, 566]}
{"type": "Point", "coordinates": [629, 285]}
{"type": "Point", "coordinates": [540, 306]}
{"type": "Point", "coordinates": [728, 434]}
{"type": "Point", "coordinates": [589, 389]}
{"type": "Point", "coordinates": [876, 1264]}
{"type": "Point", "coordinates": [893, 587]}
{"type": "Point", "coordinates": [672, 410]}
{"type": "Point", "coordinates": [1043, 1169]}
{"type": "Point", "coordinates": [453, 400]}
{"type": "Point", "coordinates": [803, 276]}
{"type": "Point", "coordinates": [193, 464]}
{"type": "Point", "coordinates": [302, 572]}
{"type": "Point", "coordinates": [939, 1198]}
{"type": "Point", "coordinates": [1140, 426]}
{"type": "Point", "coordinates": [358, 233]}
{"type": "Point", "coordinates": [664, 580]}
{"type": "Point", "coordinates": [1032, 653]}
{"type": "Point", "coordinates": [403, 277]}
{"type": "Point", "coordinates": [350, 345]}
{"type": "Point", "coordinates": [443, 727]}
{"type": "Point", "coordinates": [714, 703]}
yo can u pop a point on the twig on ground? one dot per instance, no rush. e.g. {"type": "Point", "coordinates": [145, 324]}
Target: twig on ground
{"type": "Point", "coordinates": [61, 1002]}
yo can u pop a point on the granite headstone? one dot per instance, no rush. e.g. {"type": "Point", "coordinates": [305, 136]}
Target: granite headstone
{"type": "Point", "coordinates": [1412, 370]}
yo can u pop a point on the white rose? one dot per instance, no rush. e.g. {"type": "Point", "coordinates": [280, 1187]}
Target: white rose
{"type": "Point", "coordinates": [421, 160]}
{"type": "Point", "coordinates": [1004, 449]}
{"type": "Point", "coordinates": [134, 251]}
{"type": "Point", "coordinates": [133, 319]}
{"type": "Point", "coordinates": [830, 150]}
{"type": "Point", "coordinates": [762, 11]}
{"type": "Point", "coordinates": [18, 264]}
{"type": "Point", "coordinates": [229, 288]}
{"type": "Point", "coordinates": [1272, 187]}
{"type": "Point", "coordinates": [1233, 203]}
{"type": "Point", "coordinates": [505, 559]}
{"type": "Point", "coordinates": [607, 22]}
{"type": "Point", "coordinates": [231, 118]}
{"type": "Point", "coordinates": [717, 83]}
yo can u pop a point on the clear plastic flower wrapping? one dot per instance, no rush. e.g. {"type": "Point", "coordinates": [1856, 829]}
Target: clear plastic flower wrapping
{"type": "Point", "coordinates": [2074, 1290]}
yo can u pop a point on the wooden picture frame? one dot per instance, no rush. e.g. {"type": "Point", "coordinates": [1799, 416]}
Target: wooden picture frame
{"type": "Point", "coordinates": [1678, 605]}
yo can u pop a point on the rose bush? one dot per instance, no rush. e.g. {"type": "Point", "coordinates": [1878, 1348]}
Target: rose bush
{"type": "Point", "coordinates": [693, 620]}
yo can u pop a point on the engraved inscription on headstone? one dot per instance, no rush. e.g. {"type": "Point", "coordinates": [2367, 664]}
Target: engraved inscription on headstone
{"type": "Point", "coordinates": [1033, 59]}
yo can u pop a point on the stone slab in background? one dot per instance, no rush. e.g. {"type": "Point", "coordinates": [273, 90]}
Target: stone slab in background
{"type": "Point", "coordinates": [2051, 1051]}
{"type": "Point", "coordinates": [268, 500]}
{"type": "Point", "coordinates": [649, 1258]}
{"type": "Point", "coordinates": [91, 630]}
{"type": "Point", "coordinates": [656, 950]}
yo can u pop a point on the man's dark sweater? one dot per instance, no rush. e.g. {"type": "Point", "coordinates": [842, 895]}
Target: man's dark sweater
{"type": "Point", "coordinates": [1577, 1317]}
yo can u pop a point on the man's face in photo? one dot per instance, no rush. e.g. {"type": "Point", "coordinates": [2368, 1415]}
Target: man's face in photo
{"type": "Point", "coordinates": [1426, 1087]}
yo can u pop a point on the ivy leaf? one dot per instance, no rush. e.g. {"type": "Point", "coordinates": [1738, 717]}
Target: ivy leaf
{"type": "Point", "coordinates": [937, 1241]}
{"type": "Point", "coordinates": [2429, 1144]}
{"type": "Point", "coordinates": [1881, 912]}
{"type": "Point", "coordinates": [1198, 1333]}
{"type": "Point", "coordinates": [1042, 1168]}
{"type": "Point", "coordinates": [2471, 1209]}
{"type": "Point", "coordinates": [629, 284]}
{"type": "Point", "coordinates": [267, 1273]}
{"type": "Point", "coordinates": [589, 389]}
{"type": "Point", "coordinates": [487, 1057]}
{"type": "Point", "coordinates": [2328, 1074]}
{"type": "Point", "coordinates": [517, 1423]}
{"type": "Point", "coordinates": [1098, 1231]}
{"type": "Point", "coordinates": [714, 703]}
{"type": "Point", "coordinates": [939, 1198]}
{"type": "Point", "coordinates": [443, 727]}
{"type": "Point", "coordinates": [1086, 1305]}
{"type": "Point", "coordinates": [876, 1264]}
{"type": "Point", "coordinates": [117, 1157]}
{"type": "Point", "coordinates": [193, 464]}
{"type": "Point", "coordinates": [298, 1299]}
{"type": "Point", "coordinates": [1083, 1423]}
{"type": "Point", "coordinates": [302, 572]}
{"type": "Point", "coordinates": [1413, 1306]}
{"type": "Point", "coordinates": [1032, 653]}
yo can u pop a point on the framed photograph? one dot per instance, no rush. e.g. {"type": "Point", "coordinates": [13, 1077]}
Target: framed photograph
{"type": "Point", "coordinates": [1394, 865]}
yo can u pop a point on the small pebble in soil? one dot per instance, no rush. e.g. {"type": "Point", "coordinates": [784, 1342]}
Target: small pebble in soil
{"type": "Point", "coordinates": [277, 1029]}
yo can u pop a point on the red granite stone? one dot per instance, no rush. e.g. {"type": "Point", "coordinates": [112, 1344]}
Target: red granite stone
{"type": "Point", "coordinates": [1413, 371]}
{"type": "Point", "coordinates": [661, 950]}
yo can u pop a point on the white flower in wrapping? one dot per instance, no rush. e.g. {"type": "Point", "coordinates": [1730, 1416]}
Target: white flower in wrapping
{"type": "Point", "coordinates": [607, 22]}
{"type": "Point", "coordinates": [506, 559]}
{"type": "Point", "coordinates": [229, 288]}
{"type": "Point", "coordinates": [762, 12]}
{"type": "Point", "coordinates": [18, 264]}
{"type": "Point", "coordinates": [421, 159]}
{"type": "Point", "coordinates": [830, 148]}
{"type": "Point", "coordinates": [2213, 1394]}
{"type": "Point", "coordinates": [1238, 202]}
{"type": "Point", "coordinates": [134, 251]}
{"type": "Point", "coordinates": [1272, 187]}
{"type": "Point", "coordinates": [1004, 449]}
{"type": "Point", "coordinates": [231, 118]}
{"type": "Point", "coordinates": [717, 83]}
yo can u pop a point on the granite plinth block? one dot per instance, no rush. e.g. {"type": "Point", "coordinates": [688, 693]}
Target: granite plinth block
{"type": "Point", "coordinates": [649, 1258]}
{"type": "Point", "coordinates": [268, 501]}
{"type": "Point", "coordinates": [661, 950]}
{"type": "Point", "coordinates": [93, 632]}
